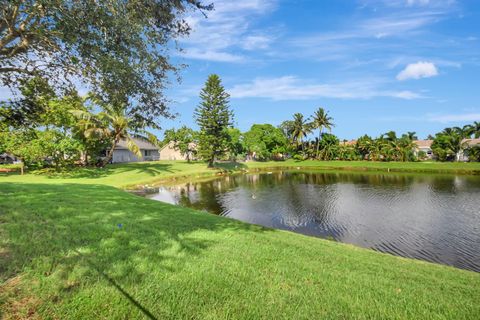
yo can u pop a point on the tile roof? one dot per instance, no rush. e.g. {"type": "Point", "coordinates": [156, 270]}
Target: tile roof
{"type": "Point", "coordinates": [423, 143]}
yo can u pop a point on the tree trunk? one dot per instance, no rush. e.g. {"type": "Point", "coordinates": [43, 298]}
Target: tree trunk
{"type": "Point", "coordinates": [110, 152]}
{"type": "Point", "coordinates": [210, 163]}
{"type": "Point", "coordinates": [318, 142]}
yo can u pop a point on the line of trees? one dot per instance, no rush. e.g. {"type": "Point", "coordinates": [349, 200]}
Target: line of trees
{"type": "Point", "coordinates": [50, 130]}
{"type": "Point", "coordinates": [218, 140]}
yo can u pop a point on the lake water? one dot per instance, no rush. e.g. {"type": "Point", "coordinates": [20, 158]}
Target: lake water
{"type": "Point", "coordinates": [430, 217]}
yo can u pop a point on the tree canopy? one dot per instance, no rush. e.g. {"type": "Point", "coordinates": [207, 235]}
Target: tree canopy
{"type": "Point", "coordinates": [119, 49]}
{"type": "Point", "coordinates": [265, 141]}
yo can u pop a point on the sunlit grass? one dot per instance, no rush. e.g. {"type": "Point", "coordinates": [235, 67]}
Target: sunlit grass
{"type": "Point", "coordinates": [74, 247]}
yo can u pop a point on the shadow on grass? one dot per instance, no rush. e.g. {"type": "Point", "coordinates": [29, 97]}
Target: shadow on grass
{"type": "Point", "coordinates": [149, 168]}
{"type": "Point", "coordinates": [53, 230]}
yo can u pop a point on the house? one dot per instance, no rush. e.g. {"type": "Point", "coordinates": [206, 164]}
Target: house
{"type": "Point", "coordinates": [169, 152]}
{"type": "Point", "coordinates": [462, 155]}
{"type": "Point", "coordinates": [6, 158]}
{"type": "Point", "coordinates": [423, 146]}
{"type": "Point", "coordinates": [468, 143]}
{"type": "Point", "coordinates": [150, 152]}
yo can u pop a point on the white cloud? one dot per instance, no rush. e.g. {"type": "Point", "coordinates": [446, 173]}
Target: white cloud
{"type": "Point", "coordinates": [409, 3]}
{"type": "Point", "coordinates": [292, 88]}
{"type": "Point", "coordinates": [421, 69]}
{"type": "Point", "coordinates": [227, 29]}
{"type": "Point", "coordinates": [418, 2]}
{"type": "Point", "coordinates": [255, 42]}
{"type": "Point", "coordinates": [211, 55]}
{"type": "Point", "coordinates": [466, 117]}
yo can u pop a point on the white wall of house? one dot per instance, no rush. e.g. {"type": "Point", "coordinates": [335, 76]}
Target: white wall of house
{"type": "Point", "coordinates": [123, 155]}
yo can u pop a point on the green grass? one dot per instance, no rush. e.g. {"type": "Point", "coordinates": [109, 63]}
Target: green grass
{"type": "Point", "coordinates": [121, 175]}
{"type": "Point", "coordinates": [63, 255]}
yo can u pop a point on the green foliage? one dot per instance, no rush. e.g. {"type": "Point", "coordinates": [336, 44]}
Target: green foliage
{"type": "Point", "coordinates": [184, 140]}
{"type": "Point", "coordinates": [446, 145]}
{"type": "Point", "coordinates": [235, 144]}
{"type": "Point", "coordinates": [39, 148]}
{"type": "Point", "coordinates": [265, 141]}
{"type": "Point", "coordinates": [474, 153]}
{"type": "Point", "coordinates": [214, 117]}
{"type": "Point", "coordinates": [328, 147]}
{"type": "Point", "coordinates": [365, 147]}
{"type": "Point", "coordinates": [120, 48]}
{"type": "Point", "coordinates": [347, 153]}
{"type": "Point", "coordinates": [422, 155]}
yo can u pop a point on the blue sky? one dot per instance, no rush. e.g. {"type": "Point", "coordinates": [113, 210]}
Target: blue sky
{"type": "Point", "coordinates": [403, 65]}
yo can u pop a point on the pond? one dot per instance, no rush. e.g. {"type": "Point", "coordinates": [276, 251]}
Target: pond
{"type": "Point", "coordinates": [430, 217]}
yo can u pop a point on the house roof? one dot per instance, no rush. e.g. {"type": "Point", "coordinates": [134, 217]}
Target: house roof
{"type": "Point", "coordinates": [348, 143]}
{"type": "Point", "coordinates": [141, 143]}
{"type": "Point", "coordinates": [6, 155]}
{"type": "Point", "coordinates": [423, 143]}
{"type": "Point", "coordinates": [472, 142]}
{"type": "Point", "coordinates": [428, 143]}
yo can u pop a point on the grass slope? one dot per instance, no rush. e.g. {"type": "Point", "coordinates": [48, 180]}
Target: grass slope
{"type": "Point", "coordinates": [64, 255]}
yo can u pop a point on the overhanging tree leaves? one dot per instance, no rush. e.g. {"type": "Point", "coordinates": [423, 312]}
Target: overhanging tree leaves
{"type": "Point", "coordinates": [120, 49]}
{"type": "Point", "coordinates": [214, 117]}
{"type": "Point", "coordinates": [184, 140]}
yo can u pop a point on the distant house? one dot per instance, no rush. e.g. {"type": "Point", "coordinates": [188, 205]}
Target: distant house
{"type": "Point", "coordinates": [123, 154]}
{"type": "Point", "coordinates": [469, 143]}
{"type": "Point", "coordinates": [169, 152]}
{"type": "Point", "coordinates": [462, 155]}
{"type": "Point", "coordinates": [424, 146]}
{"type": "Point", "coordinates": [348, 142]}
{"type": "Point", "coordinates": [6, 158]}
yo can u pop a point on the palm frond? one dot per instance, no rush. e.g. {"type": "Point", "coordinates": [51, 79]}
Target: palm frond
{"type": "Point", "coordinates": [133, 147]}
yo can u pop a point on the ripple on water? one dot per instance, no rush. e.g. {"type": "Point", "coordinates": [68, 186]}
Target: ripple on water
{"type": "Point", "coordinates": [429, 217]}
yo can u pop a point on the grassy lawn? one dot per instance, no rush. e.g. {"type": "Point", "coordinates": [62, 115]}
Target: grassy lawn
{"type": "Point", "coordinates": [73, 246]}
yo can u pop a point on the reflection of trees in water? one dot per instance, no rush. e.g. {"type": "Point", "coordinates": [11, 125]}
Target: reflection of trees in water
{"type": "Point", "coordinates": [204, 195]}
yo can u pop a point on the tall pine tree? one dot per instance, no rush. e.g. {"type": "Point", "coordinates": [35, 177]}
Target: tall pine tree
{"type": "Point", "coordinates": [214, 117]}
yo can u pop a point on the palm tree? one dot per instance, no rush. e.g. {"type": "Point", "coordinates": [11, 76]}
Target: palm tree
{"type": "Point", "coordinates": [468, 130]}
{"type": "Point", "coordinates": [412, 135]}
{"type": "Point", "coordinates": [390, 136]}
{"type": "Point", "coordinates": [464, 132]}
{"type": "Point", "coordinates": [448, 131]}
{"type": "Point", "coordinates": [476, 129]}
{"type": "Point", "coordinates": [113, 123]}
{"type": "Point", "coordinates": [321, 120]}
{"type": "Point", "coordinates": [300, 129]}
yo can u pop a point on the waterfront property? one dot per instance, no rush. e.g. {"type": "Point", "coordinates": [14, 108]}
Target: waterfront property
{"type": "Point", "coordinates": [122, 154]}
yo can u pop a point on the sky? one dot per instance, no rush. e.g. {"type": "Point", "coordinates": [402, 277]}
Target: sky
{"type": "Point", "coordinates": [375, 65]}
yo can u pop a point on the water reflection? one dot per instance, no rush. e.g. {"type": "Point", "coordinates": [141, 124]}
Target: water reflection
{"type": "Point", "coordinates": [435, 218]}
